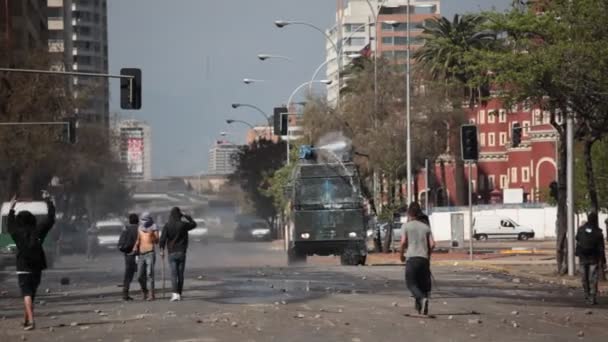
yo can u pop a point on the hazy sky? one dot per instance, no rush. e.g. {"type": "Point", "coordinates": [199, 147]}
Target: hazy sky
{"type": "Point", "coordinates": [195, 53]}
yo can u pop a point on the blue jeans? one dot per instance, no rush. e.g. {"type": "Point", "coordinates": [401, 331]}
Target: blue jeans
{"type": "Point", "coordinates": [145, 267]}
{"type": "Point", "coordinates": [177, 262]}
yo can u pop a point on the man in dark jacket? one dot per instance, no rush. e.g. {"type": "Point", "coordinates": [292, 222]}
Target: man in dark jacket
{"type": "Point", "coordinates": [31, 261]}
{"type": "Point", "coordinates": [125, 244]}
{"type": "Point", "coordinates": [175, 237]}
{"type": "Point", "coordinates": [591, 254]}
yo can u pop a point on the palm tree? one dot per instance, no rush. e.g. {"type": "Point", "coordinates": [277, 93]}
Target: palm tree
{"type": "Point", "coordinates": [444, 54]}
{"type": "Point", "coordinates": [445, 57]}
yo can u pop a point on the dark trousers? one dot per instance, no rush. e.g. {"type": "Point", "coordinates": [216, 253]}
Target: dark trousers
{"type": "Point", "coordinates": [418, 277]}
{"type": "Point", "coordinates": [130, 269]}
{"type": "Point", "coordinates": [177, 263]}
{"type": "Point", "coordinates": [590, 277]}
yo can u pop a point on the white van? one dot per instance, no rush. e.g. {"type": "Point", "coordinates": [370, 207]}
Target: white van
{"type": "Point", "coordinates": [486, 227]}
{"type": "Point", "coordinates": [108, 233]}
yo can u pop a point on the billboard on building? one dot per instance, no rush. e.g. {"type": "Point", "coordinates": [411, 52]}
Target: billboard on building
{"type": "Point", "coordinates": [133, 150]}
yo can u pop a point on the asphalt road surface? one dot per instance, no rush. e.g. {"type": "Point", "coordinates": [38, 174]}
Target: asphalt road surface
{"type": "Point", "coordinates": [245, 292]}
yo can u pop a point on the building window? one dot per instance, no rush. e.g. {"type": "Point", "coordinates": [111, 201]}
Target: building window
{"type": "Point", "coordinates": [482, 139]}
{"type": "Point", "coordinates": [482, 117]}
{"type": "Point", "coordinates": [354, 41]}
{"type": "Point", "coordinates": [504, 182]}
{"type": "Point", "coordinates": [514, 175]}
{"type": "Point", "coordinates": [525, 174]}
{"type": "Point", "coordinates": [491, 182]}
{"type": "Point", "coordinates": [526, 128]}
{"type": "Point", "coordinates": [402, 41]}
{"type": "Point", "coordinates": [502, 115]}
{"type": "Point", "coordinates": [492, 116]}
{"type": "Point", "coordinates": [514, 108]}
{"type": "Point", "coordinates": [537, 117]}
{"type": "Point", "coordinates": [353, 26]}
{"type": "Point", "coordinates": [491, 139]}
{"type": "Point", "coordinates": [502, 139]}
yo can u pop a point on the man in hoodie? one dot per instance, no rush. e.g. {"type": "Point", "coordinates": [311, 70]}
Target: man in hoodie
{"type": "Point", "coordinates": [175, 238]}
{"type": "Point", "coordinates": [591, 253]}
{"type": "Point", "coordinates": [145, 247]}
{"type": "Point", "coordinates": [29, 235]}
{"type": "Point", "coordinates": [127, 241]}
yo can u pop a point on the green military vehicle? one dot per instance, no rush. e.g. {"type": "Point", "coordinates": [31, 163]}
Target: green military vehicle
{"type": "Point", "coordinates": [327, 213]}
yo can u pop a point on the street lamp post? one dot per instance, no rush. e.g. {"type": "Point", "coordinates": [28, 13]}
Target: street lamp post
{"type": "Point", "coordinates": [266, 116]}
{"type": "Point", "coordinates": [408, 146]}
{"type": "Point", "coordinates": [264, 56]}
{"type": "Point", "coordinates": [231, 121]}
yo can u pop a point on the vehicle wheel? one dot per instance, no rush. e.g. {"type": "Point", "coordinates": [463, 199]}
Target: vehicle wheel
{"type": "Point", "coordinates": [349, 257]}
{"type": "Point", "coordinates": [294, 257]}
{"type": "Point", "coordinates": [523, 237]}
{"type": "Point", "coordinates": [362, 260]}
{"type": "Point", "coordinates": [482, 237]}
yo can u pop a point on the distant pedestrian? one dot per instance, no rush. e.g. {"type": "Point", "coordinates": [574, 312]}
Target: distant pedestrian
{"type": "Point", "coordinates": [126, 244]}
{"type": "Point", "coordinates": [591, 254]}
{"type": "Point", "coordinates": [145, 247]}
{"type": "Point", "coordinates": [417, 244]}
{"type": "Point", "coordinates": [29, 236]}
{"type": "Point", "coordinates": [175, 238]}
{"type": "Point", "coordinates": [92, 241]}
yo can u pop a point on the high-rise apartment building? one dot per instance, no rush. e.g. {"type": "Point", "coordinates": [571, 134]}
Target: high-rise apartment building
{"type": "Point", "coordinates": [356, 30]}
{"type": "Point", "coordinates": [221, 158]}
{"type": "Point", "coordinates": [23, 25]}
{"type": "Point", "coordinates": [90, 54]}
{"type": "Point", "coordinates": [135, 148]}
{"type": "Point", "coordinates": [60, 34]}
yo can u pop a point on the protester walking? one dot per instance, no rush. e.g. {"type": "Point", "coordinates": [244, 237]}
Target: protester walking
{"type": "Point", "coordinates": [417, 244]}
{"type": "Point", "coordinates": [175, 238]}
{"type": "Point", "coordinates": [29, 235]}
{"type": "Point", "coordinates": [126, 244]}
{"type": "Point", "coordinates": [592, 256]}
{"type": "Point", "coordinates": [145, 247]}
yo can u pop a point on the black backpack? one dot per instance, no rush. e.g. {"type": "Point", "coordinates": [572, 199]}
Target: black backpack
{"type": "Point", "coordinates": [587, 240]}
{"type": "Point", "coordinates": [126, 241]}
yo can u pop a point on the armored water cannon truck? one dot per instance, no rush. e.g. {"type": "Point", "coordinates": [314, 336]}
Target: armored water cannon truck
{"type": "Point", "coordinates": [327, 215]}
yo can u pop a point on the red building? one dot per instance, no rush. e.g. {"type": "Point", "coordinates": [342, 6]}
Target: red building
{"type": "Point", "coordinates": [531, 166]}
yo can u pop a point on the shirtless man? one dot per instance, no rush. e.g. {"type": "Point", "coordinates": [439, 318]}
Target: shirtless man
{"type": "Point", "coordinates": [145, 247]}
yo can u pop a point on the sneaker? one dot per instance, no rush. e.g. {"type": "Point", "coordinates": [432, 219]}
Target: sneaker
{"type": "Point", "coordinates": [418, 306]}
{"type": "Point", "coordinates": [29, 326]}
{"type": "Point", "coordinates": [179, 297]}
{"type": "Point", "coordinates": [174, 297]}
{"type": "Point", "coordinates": [425, 306]}
{"type": "Point", "coordinates": [127, 298]}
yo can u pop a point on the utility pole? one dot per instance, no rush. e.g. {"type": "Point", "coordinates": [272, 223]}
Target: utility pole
{"type": "Point", "coordinates": [408, 145]}
{"type": "Point", "coordinates": [426, 184]}
{"type": "Point", "coordinates": [570, 191]}
{"type": "Point", "coordinates": [470, 210]}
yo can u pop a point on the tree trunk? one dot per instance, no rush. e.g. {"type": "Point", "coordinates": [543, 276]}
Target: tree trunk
{"type": "Point", "coordinates": [589, 174]}
{"type": "Point", "coordinates": [562, 218]}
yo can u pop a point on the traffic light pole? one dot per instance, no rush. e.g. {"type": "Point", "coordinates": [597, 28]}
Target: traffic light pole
{"type": "Point", "coordinates": [470, 210]}
{"type": "Point", "coordinates": [73, 73]}
{"type": "Point", "coordinates": [570, 193]}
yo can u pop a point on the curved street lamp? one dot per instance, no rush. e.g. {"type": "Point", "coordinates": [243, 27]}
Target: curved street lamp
{"type": "Point", "coordinates": [251, 80]}
{"type": "Point", "coordinates": [264, 56]}
{"type": "Point", "coordinates": [266, 116]}
{"type": "Point", "coordinates": [231, 121]}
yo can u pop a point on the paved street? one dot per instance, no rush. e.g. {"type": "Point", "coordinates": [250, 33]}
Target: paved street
{"type": "Point", "coordinates": [244, 292]}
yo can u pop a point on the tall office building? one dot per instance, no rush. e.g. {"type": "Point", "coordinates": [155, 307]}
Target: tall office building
{"type": "Point", "coordinates": [60, 34]}
{"type": "Point", "coordinates": [23, 25]}
{"type": "Point", "coordinates": [221, 157]}
{"type": "Point", "coordinates": [355, 30]}
{"type": "Point", "coordinates": [135, 148]}
{"type": "Point", "coordinates": [90, 54]}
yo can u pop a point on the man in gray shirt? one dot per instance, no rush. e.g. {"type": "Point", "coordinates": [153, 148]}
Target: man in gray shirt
{"type": "Point", "coordinates": [417, 245]}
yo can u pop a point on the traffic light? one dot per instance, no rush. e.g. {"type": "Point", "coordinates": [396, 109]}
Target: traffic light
{"type": "Point", "coordinates": [69, 131]}
{"type": "Point", "coordinates": [553, 190]}
{"type": "Point", "coordinates": [468, 142]}
{"type": "Point", "coordinates": [516, 135]}
{"type": "Point", "coordinates": [130, 89]}
{"type": "Point", "coordinates": [280, 120]}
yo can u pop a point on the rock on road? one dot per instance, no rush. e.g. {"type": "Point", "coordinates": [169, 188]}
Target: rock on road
{"type": "Point", "coordinates": [244, 292]}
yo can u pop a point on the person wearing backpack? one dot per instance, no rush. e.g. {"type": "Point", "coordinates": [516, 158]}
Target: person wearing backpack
{"type": "Point", "coordinates": [591, 254]}
{"type": "Point", "coordinates": [126, 243]}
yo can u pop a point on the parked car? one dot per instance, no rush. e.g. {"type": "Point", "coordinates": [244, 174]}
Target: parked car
{"type": "Point", "coordinates": [201, 232]}
{"type": "Point", "coordinates": [495, 227]}
{"type": "Point", "coordinates": [252, 231]}
{"type": "Point", "coordinates": [378, 240]}
{"type": "Point", "coordinates": [108, 233]}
